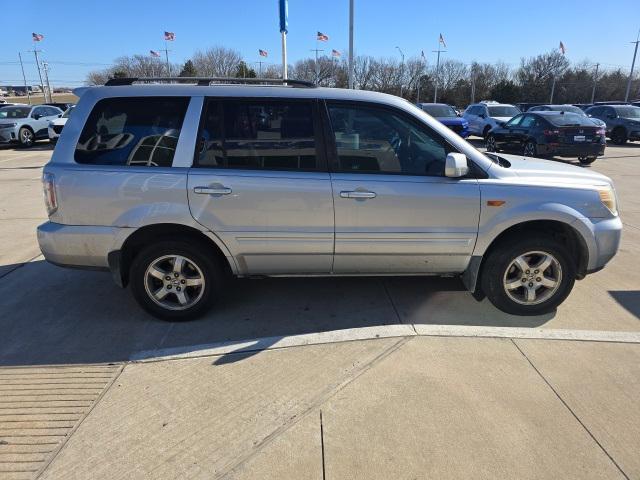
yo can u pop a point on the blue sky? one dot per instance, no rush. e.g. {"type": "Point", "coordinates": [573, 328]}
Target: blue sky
{"type": "Point", "coordinates": [81, 35]}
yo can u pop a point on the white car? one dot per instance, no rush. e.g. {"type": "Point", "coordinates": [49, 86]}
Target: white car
{"type": "Point", "coordinates": [56, 125]}
{"type": "Point", "coordinates": [486, 115]}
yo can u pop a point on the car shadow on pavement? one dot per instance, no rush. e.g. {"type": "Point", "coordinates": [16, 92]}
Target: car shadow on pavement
{"type": "Point", "coordinates": [629, 299]}
{"type": "Point", "coordinates": [51, 315]}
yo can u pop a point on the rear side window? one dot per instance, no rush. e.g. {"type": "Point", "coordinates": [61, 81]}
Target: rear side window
{"type": "Point", "coordinates": [258, 135]}
{"type": "Point", "coordinates": [141, 131]}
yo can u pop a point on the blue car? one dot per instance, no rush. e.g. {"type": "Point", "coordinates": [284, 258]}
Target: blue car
{"type": "Point", "coordinates": [447, 115]}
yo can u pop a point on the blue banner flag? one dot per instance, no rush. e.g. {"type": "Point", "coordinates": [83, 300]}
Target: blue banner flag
{"type": "Point", "coordinates": [284, 14]}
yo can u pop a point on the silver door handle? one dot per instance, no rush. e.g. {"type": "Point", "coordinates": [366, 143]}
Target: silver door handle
{"type": "Point", "coordinates": [212, 190]}
{"type": "Point", "coordinates": [358, 194]}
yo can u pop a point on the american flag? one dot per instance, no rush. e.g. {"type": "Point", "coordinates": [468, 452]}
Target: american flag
{"type": "Point", "coordinates": [335, 53]}
{"type": "Point", "coordinates": [441, 40]}
{"type": "Point", "coordinates": [154, 53]}
{"type": "Point", "coordinates": [169, 36]}
{"type": "Point", "coordinates": [37, 37]}
{"type": "Point", "coordinates": [322, 37]}
{"type": "Point", "coordinates": [562, 49]}
{"type": "Point", "coordinates": [263, 53]}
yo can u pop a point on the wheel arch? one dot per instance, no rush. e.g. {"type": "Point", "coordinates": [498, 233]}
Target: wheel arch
{"type": "Point", "coordinates": [120, 260]}
{"type": "Point", "coordinates": [564, 232]}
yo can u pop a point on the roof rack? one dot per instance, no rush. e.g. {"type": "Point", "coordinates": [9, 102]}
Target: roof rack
{"type": "Point", "coordinates": [205, 81]}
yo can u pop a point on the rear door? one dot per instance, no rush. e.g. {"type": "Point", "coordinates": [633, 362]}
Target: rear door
{"type": "Point", "coordinates": [261, 184]}
{"type": "Point", "coordinates": [395, 212]}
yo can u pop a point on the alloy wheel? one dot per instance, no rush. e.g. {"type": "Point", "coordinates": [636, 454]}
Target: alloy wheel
{"type": "Point", "coordinates": [529, 150]}
{"type": "Point", "coordinates": [532, 278]}
{"type": "Point", "coordinates": [491, 144]}
{"type": "Point", "coordinates": [26, 137]}
{"type": "Point", "coordinates": [174, 282]}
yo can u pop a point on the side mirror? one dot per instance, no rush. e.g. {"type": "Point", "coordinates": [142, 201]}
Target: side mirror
{"type": "Point", "coordinates": [456, 165]}
{"type": "Point", "coordinates": [482, 115]}
{"type": "Point", "coordinates": [37, 116]}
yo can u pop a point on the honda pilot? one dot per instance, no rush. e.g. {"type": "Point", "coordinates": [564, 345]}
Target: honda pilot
{"type": "Point", "coordinates": [175, 188]}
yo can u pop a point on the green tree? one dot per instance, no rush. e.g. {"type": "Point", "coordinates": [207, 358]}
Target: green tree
{"type": "Point", "coordinates": [188, 70]}
{"type": "Point", "coordinates": [244, 71]}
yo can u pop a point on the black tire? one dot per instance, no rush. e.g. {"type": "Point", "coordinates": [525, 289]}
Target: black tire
{"type": "Point", "coordinates": [26, 137]}
{"type": "Point", "coordinates": [485, 132]}
{"type": "Point", "coordinates": [491, 144]}
{"type": "Point", "coordinates": [197, 254]}
{"type": "Point", "coordinates": [496, 268]}
{"type": "Point", "coordinates": [530, 149]}
{"type": "Point", "coordinates": [586, 160]}
{"type": "Point", "coordinates": [619, 136]}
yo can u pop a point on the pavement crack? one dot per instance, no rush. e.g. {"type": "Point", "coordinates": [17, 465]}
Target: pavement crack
{"type": "Point", "coordinates": [586, 429]}
{"type": "Point", "coordinates": [320, 399]}
{"type": "Point", "coordinates": [324, 470]}
{"type": "Point", "coordinates": [393, 305]}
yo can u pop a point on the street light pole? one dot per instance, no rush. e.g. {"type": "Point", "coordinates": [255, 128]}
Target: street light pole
{"type": "Point", "coordinates": [553, 88]}
{"type": "Point", "coordinates": [401, 70]}
{"type": "Point", "coordinates": [633, 64]}
{"type": "Point", "coordinates": [24, 79]}
{"type": "Point", "coordinates": [351, 44]}
{"type": "Point", "coordinates": [435, 93]}
{"type": "Point", "coordinates": [595, 81]}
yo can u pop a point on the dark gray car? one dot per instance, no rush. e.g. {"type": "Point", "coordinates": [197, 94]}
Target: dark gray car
{"type": "Point", "coordinates": [623, 121]}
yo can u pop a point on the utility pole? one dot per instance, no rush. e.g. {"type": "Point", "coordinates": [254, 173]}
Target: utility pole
{"type": "Point", "coordinates": [316, 65]}
{"type": "Point", "coordinates": [166, 56]}
{"type": "Point", "coordinates": [35, 53]}
{"type": "Point", "coordinates": [633, 64]}
{"type": "Point", "coordinates": [553, 88]}
{"type": "Point", "coordinates": [45, 67]}
{"type": "Point", "coordinates": [435, 93]}
{"type": "Point", "coordinates": [473, 88]}
{"type": "Point", "coordinates": [351, 44]}
{"type": "Point", "coordinates": [260, 62]}
{"type": "Point", "coordinates": [24, 79]}
{"type": "Point", "coordinates": [283, 10]}
{"type": "Point", "coordinates": [401, 70]}
{"type": "Point", "coordinates": [595, 81]}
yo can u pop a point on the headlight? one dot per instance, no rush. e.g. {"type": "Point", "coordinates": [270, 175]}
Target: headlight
{"type": "Point", "coordinates": [608, 199]}
{"type": "Point", "coordinates": [8, 125]}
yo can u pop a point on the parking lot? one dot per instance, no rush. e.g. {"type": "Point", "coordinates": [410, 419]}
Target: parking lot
{"type": "Point", "coordinates": [313, 378]}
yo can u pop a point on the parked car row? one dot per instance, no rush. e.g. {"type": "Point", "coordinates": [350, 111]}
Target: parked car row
{"type": "Point", "coordinates": [545, 130]}
{"type": "Point", "coordinates": [25, 124]}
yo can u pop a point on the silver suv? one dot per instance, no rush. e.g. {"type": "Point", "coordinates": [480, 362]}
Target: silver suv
{"type": "Point", "coordinates": [484, 116]}
{"type": "Point", "coordinates": [176, 188]}
{"type": "Point", "coordinates": [24, 124]}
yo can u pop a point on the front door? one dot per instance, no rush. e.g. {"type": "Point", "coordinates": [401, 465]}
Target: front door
{"type": "Point", "coordinates": [260, 183]}
{"type": "Point", "coordinates": [395, 211]}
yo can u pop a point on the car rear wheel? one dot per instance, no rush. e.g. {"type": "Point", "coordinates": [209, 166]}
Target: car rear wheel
{"type": "Point", "coordinates": [175, 280]}
{"type": "Point", "coordinates": [26, 137]}
{"type": "Point", "coordinates": [491, 144]}
{"type": "Point", "coordinates": [531, 276]}
{"type": "Point", "coordinates": [619, 136]}
{"type": "Point", "coordinates": [586, 160]}
{"type": "Point", "coordinates": [530, 149]}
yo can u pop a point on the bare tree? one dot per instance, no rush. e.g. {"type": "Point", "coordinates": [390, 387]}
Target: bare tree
{"type": "Point", "coordinates": [217, 62]}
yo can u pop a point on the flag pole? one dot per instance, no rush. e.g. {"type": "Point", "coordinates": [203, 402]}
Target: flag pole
{"type": "Point", "coordinates": [283, 8]}
{"type": "Point", "coordinates": [166, 54]}
{"type": "Point", "coordinates": [24, 79]}
{"type": "Point", "coordinates": [35, 53]}
{"type": "Point", "coordinates": [351, 44]}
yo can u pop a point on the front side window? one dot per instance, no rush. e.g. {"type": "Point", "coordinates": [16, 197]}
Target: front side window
{"type": "Point", "coordinates": [137, 131]}
{"type": "Point", "coordinates": [259, 135]}
{"type": "Point", "coordinates": [375, 140]}
{"type": "Point", "coordinates": [441, 111]}
{"type": "Point", "coordinates": [528, 121]}
{"type": "Point", "coordinates": [515, 121]}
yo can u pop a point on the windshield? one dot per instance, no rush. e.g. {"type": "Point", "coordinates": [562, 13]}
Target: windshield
{"type": "Point", "coordinates": [503, 111]}
{"type": "Point", "coordinates": [628, 112]}
{"type": "Point", "coordinates": [569, 120]}
{"type": "Point", "coordinates": [567, 108]}
{"type": "Point", "coordinates": [67, 114]}
{"type": "Point", "coordinates": [14, 112]}
{"type": "Point", "coordinates": [439, 110]}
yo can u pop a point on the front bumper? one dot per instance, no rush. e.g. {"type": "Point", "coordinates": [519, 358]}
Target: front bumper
{"type": "Point", "coordinates": [602, 236]}
{"type": "Point", "coordinates": [8, 135]}
{"type": "Point", "coordinates": [79, 246]}
{"type": "Point", "coordinates": [634, 135]}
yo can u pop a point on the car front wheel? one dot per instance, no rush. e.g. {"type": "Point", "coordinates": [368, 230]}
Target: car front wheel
{"type": "Point", "coordinates": [528, 277]}
{"type": "Point", "coordinates": [491, 144]}
{"type": "Point", "coordinates": [26, 137]}
{"type": "Point", "coordinates": [619, 136]}
{"type": "Point", "coordinates": [586, 160]}
{"type": "Point", "coordinates": [530, 149]}
{"type": "Point", "coordinates": [176, 280]}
